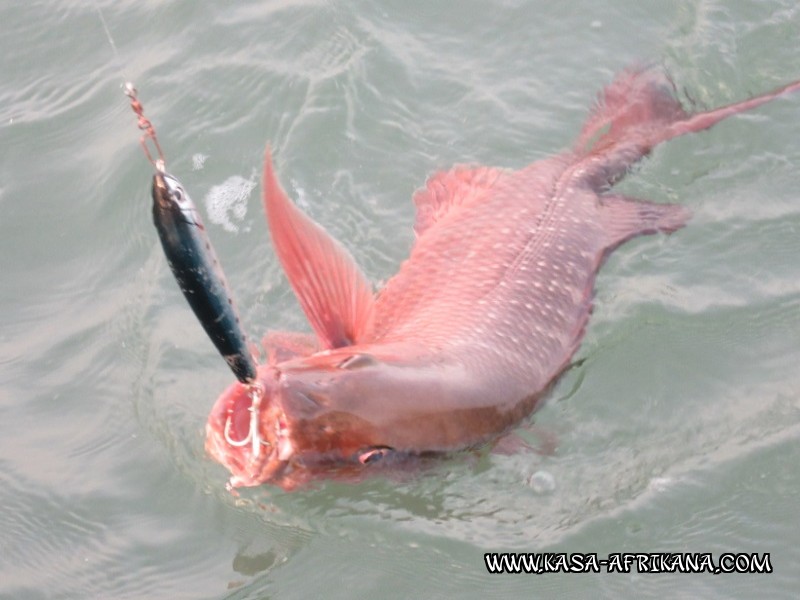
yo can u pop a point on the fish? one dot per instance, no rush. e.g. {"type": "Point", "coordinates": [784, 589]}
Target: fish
{"type": "Point", "coordinates": [487, 311]}
{"type": "Point", "coordinates": [196, 268]}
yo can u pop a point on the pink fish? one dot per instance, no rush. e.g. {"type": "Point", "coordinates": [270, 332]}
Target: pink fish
{"type": "Point", "coordinates": [464, 341]}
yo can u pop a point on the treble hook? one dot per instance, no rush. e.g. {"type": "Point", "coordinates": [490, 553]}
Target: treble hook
{"type": "Point", "coordinates": [253, 436]}
{"type": "Point", "coordinates": [146, 126]}
{"type": "Point", "coordinates": [230, 440]}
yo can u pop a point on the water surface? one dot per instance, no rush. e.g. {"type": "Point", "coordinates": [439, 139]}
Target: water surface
{"type": "Point", "coordinates": [678, 432]}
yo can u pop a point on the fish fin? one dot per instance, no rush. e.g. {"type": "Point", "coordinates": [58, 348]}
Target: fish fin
{"type": "Point", "coordinates": [637, 98]}
{"type": "Point", "coordinates": [638, 111]}
{"type": "Point", "coordinates": [625, 218]}
{"type": "Point", "coordinates": [333, 292]}
{"type": "Point", "coordinates": [704, 120]}
{"type": "Point", "coordinates": [509, 444]}
{"type": "Point", "coordinates": [280, 346]}
{"type": "Point", "coordinates": [446, 190]}
{"type": "Point", "coordinates": [528, 437]}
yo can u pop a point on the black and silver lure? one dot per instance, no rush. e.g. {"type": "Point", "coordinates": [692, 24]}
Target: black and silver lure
{"type": "Point", "coordinates": [196, 268]}
{"type": "Point", "coordinates": [192, 259]}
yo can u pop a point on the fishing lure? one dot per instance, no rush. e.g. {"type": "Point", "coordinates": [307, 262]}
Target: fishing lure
{"type": "Point", "coordinates": [196, 268]}
{"type": "Point", "coordinates": [192, 259]}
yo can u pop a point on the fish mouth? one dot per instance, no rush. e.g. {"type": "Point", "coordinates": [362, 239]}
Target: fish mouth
{"type": "Point", "coordinates": [248, 433]}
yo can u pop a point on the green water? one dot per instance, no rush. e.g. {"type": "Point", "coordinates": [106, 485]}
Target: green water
{"type": "Point", "coordinates": [678, 432]}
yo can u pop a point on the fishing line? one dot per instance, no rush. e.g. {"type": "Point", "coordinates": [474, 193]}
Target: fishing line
{"type": "Point", "coordinates": [130, 91]}
{"type": "Point", "coordinates": [110, 39]}
{"type": "Point", "coordinates": [193, 261]}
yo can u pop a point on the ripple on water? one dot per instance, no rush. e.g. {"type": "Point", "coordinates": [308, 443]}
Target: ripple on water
{"type": "Point", "coordinates": [105, 544]}
{"type": "Point", "coordinates": [690, 371]}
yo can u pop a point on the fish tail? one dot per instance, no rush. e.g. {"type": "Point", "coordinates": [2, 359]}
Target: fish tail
{"type": "Point", "coordinates": [638, 111]}
{"type": "Point", "coordinates": [638, 99]}
{"type": "Point", "coordinates": [704, 120]}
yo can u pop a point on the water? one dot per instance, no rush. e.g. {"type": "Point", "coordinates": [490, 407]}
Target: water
{"type": "Point", "coordinates": [678, 431]}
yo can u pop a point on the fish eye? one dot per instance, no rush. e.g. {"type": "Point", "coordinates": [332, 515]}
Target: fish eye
{"type": "Point", "coordinates": [373, 455]}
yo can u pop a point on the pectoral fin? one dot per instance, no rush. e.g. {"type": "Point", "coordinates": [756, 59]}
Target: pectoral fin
{"type": "Point", "coordinates": [334, 294]}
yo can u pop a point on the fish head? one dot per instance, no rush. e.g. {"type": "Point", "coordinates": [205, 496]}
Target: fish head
{"type": "Point", "coordinates": [172, 200]}
{"type": "Point", "coordinates": [247, 433]}
{"type": "Point", "coordinates": [294, 424]}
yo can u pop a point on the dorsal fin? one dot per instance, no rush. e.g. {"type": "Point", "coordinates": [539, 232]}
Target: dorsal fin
{"type": "Point", "coordinates": [446, 190]}
{"type": "Point", "coordinates": [334, 294]}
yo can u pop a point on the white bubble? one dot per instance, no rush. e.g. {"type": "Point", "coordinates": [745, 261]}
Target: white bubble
{"type": "Point", "coordinates": [542, 482]}
{"type": "Point", "coordinates": [227, 203]}
{"type": "Point", "coordinates": [198, 160]}
{"type": "Point", "coordinates": [659, 484]}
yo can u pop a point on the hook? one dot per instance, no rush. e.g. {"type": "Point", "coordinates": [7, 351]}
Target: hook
{"type": "Point", "coordinates": [253, 436]}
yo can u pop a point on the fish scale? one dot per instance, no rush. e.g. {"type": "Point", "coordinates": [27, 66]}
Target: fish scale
{"type": "Point", "coordinates": [545, 320]}
{"type": "Point", "coordinates": [539, 252]}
